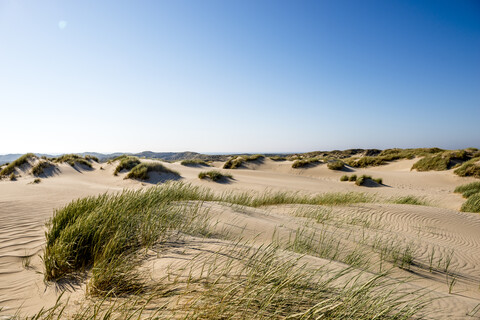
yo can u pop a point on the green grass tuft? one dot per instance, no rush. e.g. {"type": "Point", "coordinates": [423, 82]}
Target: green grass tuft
{"type": "Point", "coordinates": [126, 163]}
{"type": "Point", "coordinates": [40, 167]}
{"type": "Point", "coordinates": [214, 175]}
{"type": "Point", "coordinates": [468, 189]}
{"type": "Point", "coordinates": [470, 168]}
{"type": "Point", "coordinates": [437, 162]}
{"type": "Point", "coordinates": [10, 168]}
{"type": "Point", "coordinates": [335, 165]}
{"type": "Point", "coordinates": [409, 200]}
{"type": "Point", "coordinates": [12, 177]}
{"type": "Point", "coordinates": [140, 171]}
{"type": "Point", "coordinates": [236, 161]}
{"type": "Point", "coordinates": [344, 178]}
{"type": "Point", "coordinates": [194, 162]}
{"type": "Point", "coordinates": [472, 204]}
{"type": "Point", "coordinates": [305, 162]}
{"type": "Point", "coordinates": [72, 159]}
{"type": "Point", "coordinates": [353, 177]}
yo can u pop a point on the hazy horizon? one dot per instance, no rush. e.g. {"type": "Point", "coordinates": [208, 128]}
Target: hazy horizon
{"type": "Point", "coordinates": [215, 76]}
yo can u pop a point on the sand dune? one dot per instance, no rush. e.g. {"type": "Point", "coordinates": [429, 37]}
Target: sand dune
{"type": "Point", "coordinates": [439, 230]}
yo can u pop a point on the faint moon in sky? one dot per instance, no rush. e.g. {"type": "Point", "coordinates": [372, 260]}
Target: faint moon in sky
{"type": "Point", "coordinates": [62, 24]}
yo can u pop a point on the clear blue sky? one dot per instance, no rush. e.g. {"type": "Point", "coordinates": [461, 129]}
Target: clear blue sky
{"type": "Point", "coordinates": [238, 76]}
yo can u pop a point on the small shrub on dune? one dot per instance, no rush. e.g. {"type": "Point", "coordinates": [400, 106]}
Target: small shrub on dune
{"type": "Point", "coordinates": [72, 159]}
{"type": "Point", "coordinates": [472, 204]}
{"type": "Point", "coordinates": [409, 200]}
{"type": "Point", "coordinates": [353, 177]}
{"type": "Point", "coordinates": [126, 163]}
{"type": "Point", "coordinates": [10, 167]}
{"type": "Point", "coordinates": [470, 168]}
{"type": "Point", "coordinates": [91, 158]}
{"type": "Point", "coordinates": [305, 162]}
{"type": "Point", "coordinates": [13, 177]}
{"type": "Point", "coordinates": [214, 175]}
{"type": "Point", "coordinates": [468, 189]}
{"type": "Point", "coordinates": [437, 162]}
{"type": "Point", "coordinates": [360, 180]}
{"type": "Point", "coordinates": [140, 171]}
{"type": "Point", "coordinates": [37, 180]}
{"type": "Point", "coordinates": [234, 163]}
{"type": "Point", "coordinates": [40, 167]}
{"type": "Point", "coordinates": [378, 180]}
{"type": "Point", "coordinates": [278, 158]}
{"type": "Point", "coordinates": [335, 165]}
{"type": "Point", "coordinates": [194, 162]}
{"type": "Point", "coordinates": [344, 178]}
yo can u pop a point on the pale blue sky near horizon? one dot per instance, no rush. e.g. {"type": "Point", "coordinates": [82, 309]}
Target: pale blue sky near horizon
{"type": "Point", "coordinates": [238, 76]}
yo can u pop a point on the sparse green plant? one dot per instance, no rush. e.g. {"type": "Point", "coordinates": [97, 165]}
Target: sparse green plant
{"type": "Point", "coordinates": [344, 178]}
{"type": "Point", "coordinates": [40, 167]}
{"type": "Point", "coordinates": [92, 158]}
{"type": "Point", "coordinates": [12, 177]}
{"type": "Point", "coordinates": [353, 177]}
{"type": "Point", "coordinates": [126, 163]}
{"type": "Point", "coordinates": [305, 162]}
{"type": "Point", "coordinates": [72, 159]}
{"type": "Point", "coordinates": [378, 180]}
{"type": "Point", "coordinates": [37, 180]}
{"type": "Point", "coordinates": [10, 167]}
{"type": "Point", "coordinates": [335, 165]}
{"type": "Point", "coordinates": [237, 161]}
{"type": "Point", "coordinates": [472, 204]}
{"type": "Point", "coordinates": [409, 200]}
{"type": "Point", "coordinates": [194, 162]}
{"type": "Point", "coordinates": [141, 171]}
{"type": "Point", "coordinates": [214, 175]}
{"type": "Point", "coordinates": [27, 261]}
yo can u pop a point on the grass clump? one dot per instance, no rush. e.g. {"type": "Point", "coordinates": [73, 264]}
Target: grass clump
{"type": "Point", "coordinates": [12, 177]}
{"type": "Point", "coordinates": [278, 158]}
{"type": "Point", "coordinates": [194, 162]}
{"type": "Point", "coordinates": [72, 159]}
{"type": "Point", "coordinates": [353, 177]}
{"type": "Point", "coordinates": [410, 200]}
{"type": "Point", "coordinates": [472, 204]}
{"type": "Point", "coordinates": [10, 168]}
{"type": "Point", "coordinates": [40, 167]}
{"type": "Point", "coordinates": [470, 168]}
{"type": "Point", "coordinates": [437, 162]}
{"type": "Point", "coordinates": [91, 158]}
{"type": "Point", "coordinates": [335, 165]}
{"type": "Point", "coordinates": [214, 175]}
{"type": "Point", "coordinates": [305, 162]}
{"type": "Point", "coordinates": [37, 180]}
{"type": "Point", "coordinates": [468, 189]}
{"type": "Point", "coordinates": [344, 178]}
{"type": "Point", "coordinates": [126, 163]}
{"type": "Point", "coordinates": [236, 162]}
{"type": "Point", "coordinates": [140, 171]}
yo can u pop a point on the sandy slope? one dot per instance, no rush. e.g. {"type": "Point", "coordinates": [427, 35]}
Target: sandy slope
{"type": "Point", "coordinates": [442, 229]}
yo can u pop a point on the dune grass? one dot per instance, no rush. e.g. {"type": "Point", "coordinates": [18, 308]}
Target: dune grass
{"type": "Point", "coordinates": [305, 162]}
{"type": "Point", "coordinates": [10, 168]}
{"type": "Point", "coordinates": [141, 171]}
{"type": "Point", "coordinates": [437, 162]}
{"type": "Point", "coordinates": [12, 177]}
{"type": "Point", "coordinates": [469, 168]}
{"type": "Point", "coordinates": [472, 204]}
{"type": "Point", "coordinates": [237, 161]}
{"type": "Point", "coordinates": [194, 162]}
{"type": "Point", "coordinates": [344, 178]}
{"type": "Point", "coordinates": [471, 191]}
{"type": "Point", "coordinates": [40, 167]}
{"type": "Point", "coordinates": [72, 159]}
{"type": "Point", "coordinates": [126, 163]}
{"type": "Point", "coordinates": [91, 158]}
{"type": "Point", "coordinates": [335, 165]}
{"type": "Point", "coordinates": [214, 175]}
{"type": "Point", "coordinates": [409, 200]}
{"type": "Point", "coordinates": [278, 158]}
{"type": "Point", "coordinates": [389, 155]}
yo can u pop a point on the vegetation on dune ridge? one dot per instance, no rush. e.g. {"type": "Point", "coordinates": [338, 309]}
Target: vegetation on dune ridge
{"type": "Point", "coordinates": [10, 168]}
{"type": "Point", "coordinates": [214, 175]}
{"type": "Point", "coordinates": [359, 181]}
{"type": "Point", "coordinates": [41, 166]}
{"type": "Point", "coordinates": [194, 162]}
{"type": "Point", "coordinates": [409, 200]}
{"type": "Point", "coordinates": [278, 158]}
{"type": "Point", "coordinates": [140, 171]}
{"type": "Point", "coordinates": [73, 159]}
{"type": "Point", "coordinates": [471, 191]}
{"type": "Point", "coordinates": [106, 236]}
{"type": "Point", "coordinates": [389, 155]}
{"type": "Point", "coordinates": [471, 168]}
{"type": "Point", "coordinates": [305, 162]}
{"type": "Point", "coordinates": [335, 165]}
{"type": "Point", "coordinates": [126, 163]}
{"type": "Point", "coordinates": [236, 161]}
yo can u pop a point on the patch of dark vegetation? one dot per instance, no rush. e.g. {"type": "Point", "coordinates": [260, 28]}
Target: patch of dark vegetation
{"type": "Point", "coordinates": [214, 175]}
{"type": "Point", "coordinates": [409, 200]}
{"type": "Point", "coordinates": [126, 163]}
{"type": "Point", "coordinates": [41, 166]}
{"type": "Point", "coordinates": [10, 167]}
{"type": "Point", "coordinates": [306, 162]}
{"type": "Point", "coordinates": [194, 163]}
{"type": "Point", "coordinates": [335, 165]}
{"type": "Point", "coordinates": [471, 168]}
{"type": "Point", "coordinates": [471, 191]}
{"type": "Point", "coordinates": [12, 177]}
{"type": "Point", "coordinates": [237, 161]}
{"type": "Point", "coordinates": [72, 159]}
{"type": "Point", "coordinates": [446, 160]}
{"type": "Point", "coordinates": [37, 180]}
{"type": "Point", "coordinates": [141, 171]}
{"type": "Point", "coordinates": [344, 178]}
{"type": "Point", "coordinates": [278, 158]}
{"type": "Point", "coordinates": [390, 155]}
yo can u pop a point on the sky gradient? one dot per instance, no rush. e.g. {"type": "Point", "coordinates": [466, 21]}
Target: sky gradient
{"type": "Point", "coordinates": [238, 76]}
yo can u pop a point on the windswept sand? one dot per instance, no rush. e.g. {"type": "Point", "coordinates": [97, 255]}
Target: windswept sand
{"type": "Point", "coordinates": [439, 228]}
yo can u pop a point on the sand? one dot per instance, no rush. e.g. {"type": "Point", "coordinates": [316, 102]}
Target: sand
{"type": "Point", "coordinates": [25, 207]}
